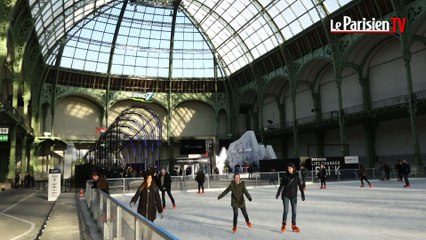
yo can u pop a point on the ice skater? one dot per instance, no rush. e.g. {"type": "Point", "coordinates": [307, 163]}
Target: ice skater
{"type": "Point", "coordinates": [149, 199]}
{"type": "Point", "coordinates": [406, 170]}
{"type": "Point", "coordinates": [164, 181]}
{"type": "Point", "coordinates": [322, 175]}
{"type": "Point", "coordinates": [288, 191]}
{"type": "Point", "coordinates": [200, 178]}
{"type": "Point", "coordinates": [238, 190]}
{"type": "Point", "coordinates": [363, 175]}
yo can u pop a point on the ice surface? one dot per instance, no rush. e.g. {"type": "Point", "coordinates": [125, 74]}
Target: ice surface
{"type": "Point", "coordinates": [343, 211]}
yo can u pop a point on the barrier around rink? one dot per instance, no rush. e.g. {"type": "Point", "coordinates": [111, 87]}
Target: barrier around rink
{"type": "Point", "coordinates": [115, 220]}
{"type": "Point", "coordinates": [254, 179]}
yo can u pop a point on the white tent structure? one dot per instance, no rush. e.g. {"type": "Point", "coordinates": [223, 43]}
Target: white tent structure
{"type": "Point", "coordinates": [244, 150]}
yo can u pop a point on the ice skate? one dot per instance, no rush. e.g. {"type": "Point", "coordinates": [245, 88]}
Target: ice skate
{"type": "Point", "coordinates": [283, 228]}
{"type": "Point", "coordinates": [361, 186]}
{"type": "Point", "coordinates": [234, 229]}
{"type": "Point", "coordinates": [295, 228]}
{"type": "Point", "coordinates": [407, 186]}
{"type": "Point", "coordinates": [174, 205]}
{"type": "Point", "coordinates": [371, 185]}
{"type": "Point", "coordinates": [249, 225]}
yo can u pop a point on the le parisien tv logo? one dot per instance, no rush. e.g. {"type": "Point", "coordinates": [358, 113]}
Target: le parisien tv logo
{"type": "Point", "coordinates": [347, 25]}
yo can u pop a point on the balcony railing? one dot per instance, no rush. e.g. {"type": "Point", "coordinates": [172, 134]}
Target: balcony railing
{"type": "Point", "coordinates": [393, 102]}
{"type": "Point", "coordinates": [18, 117]}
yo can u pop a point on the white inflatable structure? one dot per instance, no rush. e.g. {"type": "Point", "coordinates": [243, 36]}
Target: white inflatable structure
{"type": "Point", "coordinates": [244, 150]}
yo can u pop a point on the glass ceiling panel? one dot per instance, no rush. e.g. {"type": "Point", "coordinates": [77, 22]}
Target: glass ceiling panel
{"type": "Point", "coordinates": [239, 31]}
{"type": "Point", "coordinates": [142, 44]}
{"type": "Point", "coordinates": [257, 31]}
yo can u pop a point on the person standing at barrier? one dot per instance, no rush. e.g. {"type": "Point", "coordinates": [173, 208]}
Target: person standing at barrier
{"type": "Point", "coordinates": [149, 199]}
{"type": "Point", "coordinates": [165, 183]}
{"type": "Point", "coordinates": [100, 182]}
{"type": "Point", "coordinates": [200, 178]}
{"type": "Point", "coordinates": [398, 168]}
{"type": "Point", "coordinates": [363, 175]}
{"type": "Point", "coordinates": [406, 170]}
{"type": "Point", "coordinates": [238, 190]}
{"type": "Point", "coordinates": [322, 175]}
{"type": "Point", "coordinates": [386, 168]}
{"type": "Point", "coordinates": [288, 191]}
{"type": "Point", "coordinates": [272, 177]}
{"type": "Point", "coordinates": [303, 173]}
{"type": "Point", "coordinates": [17, 177]}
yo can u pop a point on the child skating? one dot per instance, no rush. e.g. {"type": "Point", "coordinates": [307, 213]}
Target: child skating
{"type": "Point", "coordinates": [288, 191]}
{"type": "Point", "coordinates": [238, 190]}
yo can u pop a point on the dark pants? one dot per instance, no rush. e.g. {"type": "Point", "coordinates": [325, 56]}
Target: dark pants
{"type": "Point", "coordinates": [243, 210]}
{"type": "Point", "coordinates": [362, 181]}
{"type": "Point", "coordinates": [200, 185]}
{"type": "Point", "coordinates": [407, 183]}
{"type": "Point", "coordinates": [163, 196]}
{"type": "Point", "coordinates": [323, 184]}
{"type": "Point", "coordinates": [293, 202]}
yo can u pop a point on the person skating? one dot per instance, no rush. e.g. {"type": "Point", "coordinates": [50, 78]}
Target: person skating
{"type": "Point", "coordinates": [322, 175]}
{"type": "Point", "coordinates": [200, 178]}
{"type": "Point", "coordinates": [149, 199]}
{"type": "Point", "coordinates": [288, 191]}
{"type": "Point", "coordinates": [406, 170]}
{"type": "Point", "coordinates": [164, 181]}
{"type": "Point", "coordinates": [238, 190]}
{"type": "Point", "coordinates": [363, 176]}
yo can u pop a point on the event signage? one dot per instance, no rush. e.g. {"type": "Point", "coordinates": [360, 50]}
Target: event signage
{"type": "Point", "coordinates": [54, 185]}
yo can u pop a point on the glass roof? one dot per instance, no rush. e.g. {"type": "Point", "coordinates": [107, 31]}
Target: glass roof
{"type": "Point", "coordinates": [236, 32]}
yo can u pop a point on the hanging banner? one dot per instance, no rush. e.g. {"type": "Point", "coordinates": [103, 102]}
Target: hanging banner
{"type": "Point", "coordinates": [54, 185]}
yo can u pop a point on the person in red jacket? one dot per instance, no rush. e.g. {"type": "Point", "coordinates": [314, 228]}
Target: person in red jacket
{"type": "Point", "coordinates": [288, 191]}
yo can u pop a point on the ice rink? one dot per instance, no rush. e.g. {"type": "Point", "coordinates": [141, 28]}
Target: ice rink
{"type": "Point", "coordinates": [343, 211]}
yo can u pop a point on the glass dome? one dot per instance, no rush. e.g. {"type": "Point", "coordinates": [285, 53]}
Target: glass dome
{"type": "Point", "coordinates": [234, 32]}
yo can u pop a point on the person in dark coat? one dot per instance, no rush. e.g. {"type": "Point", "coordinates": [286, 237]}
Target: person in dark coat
{"type": "Point", "coordinates": [322, 175]}
{"type": "Point", "coordinates": [363, 175]}
{"type": "Point", "coordinates": [149, 199]}
{"type": "Point", "coordinates": [303, 174]}
{"type": "Point", "coordinates": [386, 168]}
{"type": "Point", "coordinates": [200, 178]}
{"type": "Point", "coordinates": [100, 182]}
{"type": "Point", "coordinates": [164, 181]}
{"type": "Point", "coordinates": [238, 190]}
{"type": "Point", "coordinates": [288, 191]}
{"type": "Point", "coordinates": [406, 170]}
{"type": "Point", "coordinates": [17, 177]}
{"type": "Point", "coordinates": [398, 168]}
